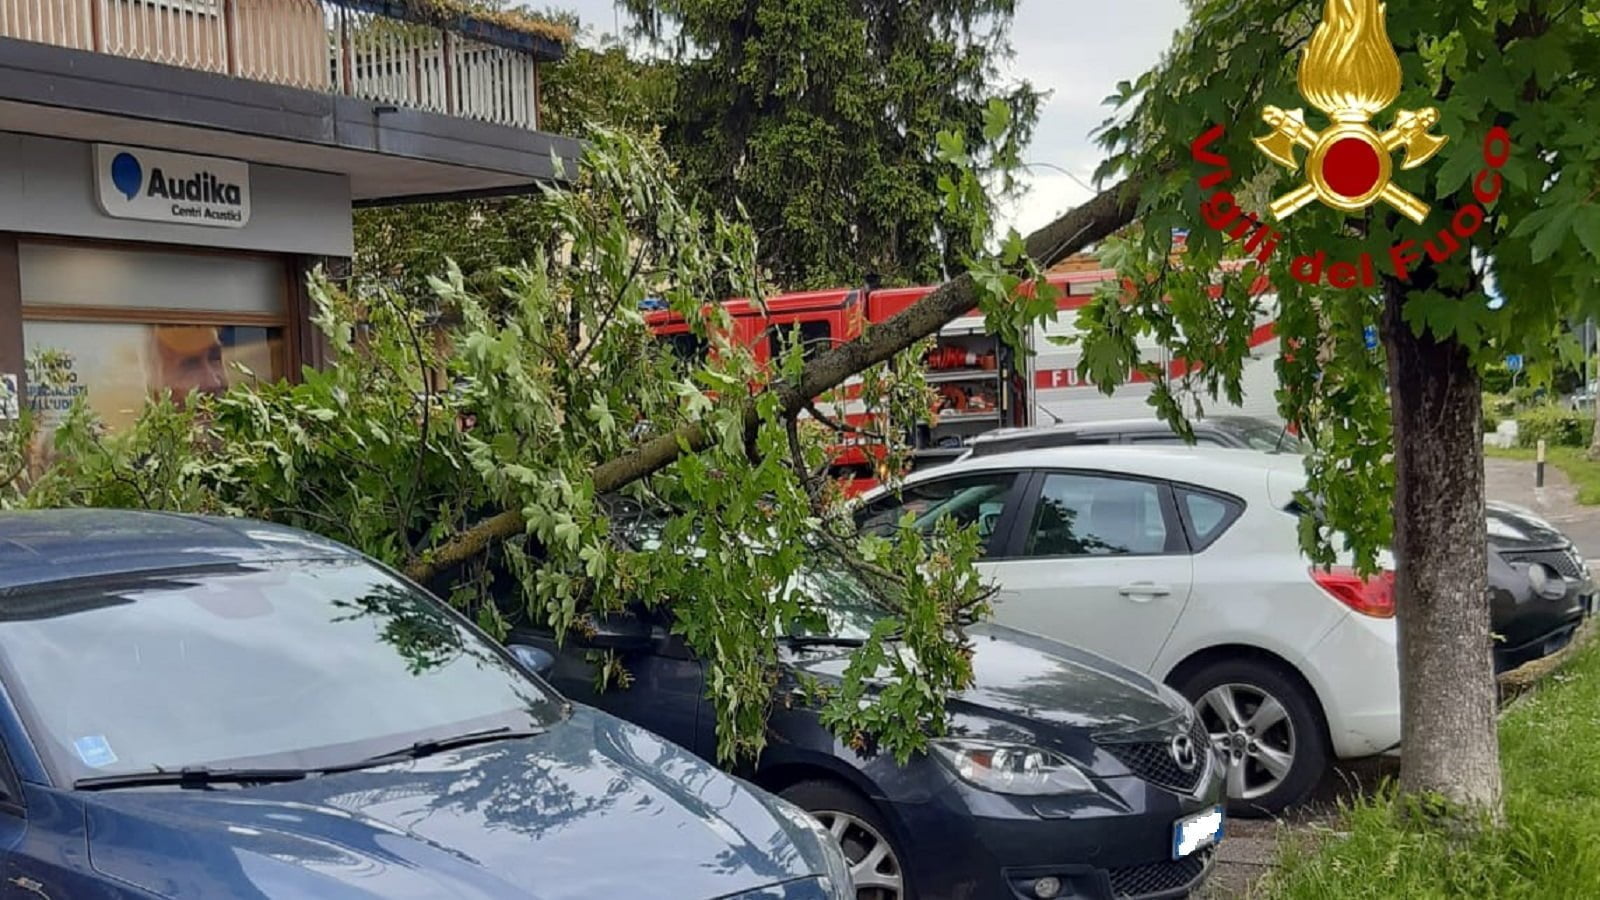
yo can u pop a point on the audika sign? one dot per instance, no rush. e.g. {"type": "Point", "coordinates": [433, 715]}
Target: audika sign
{"type": "Point", "coordinates": [177, 188]}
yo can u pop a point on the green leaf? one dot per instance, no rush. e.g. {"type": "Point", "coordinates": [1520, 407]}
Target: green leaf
{"type": "Point", "coordinates": [1586, 225]}
{"type": "Point", "coordinates": [996, 119]}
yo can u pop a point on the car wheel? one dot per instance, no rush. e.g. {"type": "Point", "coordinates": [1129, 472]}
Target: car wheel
{"type": "Point", "coordinates": [1267, 731]}
{"type": "Point", "coordinates": [861, 832]}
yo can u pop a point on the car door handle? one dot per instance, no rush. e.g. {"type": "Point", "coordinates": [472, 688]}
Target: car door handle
{"type": "Point", "coordinates": [1144, 591]}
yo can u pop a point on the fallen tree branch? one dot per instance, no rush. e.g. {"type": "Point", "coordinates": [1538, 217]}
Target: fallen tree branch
{"type": "Point", "coordinates": [1110, 211]}
{"type": "Point", "coordinates": [839, 427]}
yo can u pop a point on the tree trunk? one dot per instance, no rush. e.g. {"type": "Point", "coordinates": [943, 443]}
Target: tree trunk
{"type": "Point", "coordinates": [1448, 696]}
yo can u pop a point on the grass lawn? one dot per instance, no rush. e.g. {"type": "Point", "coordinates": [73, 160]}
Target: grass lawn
{"type": "Point", "coordinates": [1585, 475]}
{"type": "Point", "coordinates": [1550, 847]}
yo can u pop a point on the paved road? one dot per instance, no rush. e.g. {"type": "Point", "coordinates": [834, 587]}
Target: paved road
{"type": "Point", "coordinates": [1512, 481]}
{"type": "Point", "coordinates": [1248, 851]}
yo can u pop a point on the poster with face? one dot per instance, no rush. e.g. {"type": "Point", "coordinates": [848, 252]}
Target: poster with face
{"type": "Point", "coordinates": [117, 366]}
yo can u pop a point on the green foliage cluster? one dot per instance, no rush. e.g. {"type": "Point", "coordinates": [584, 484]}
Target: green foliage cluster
{"type": "Point", "coordinates": [507, 393]}
{"type": "Point", "coordinates": [593, 87]}
{"type": "Point", "coordinates": [1525, 65]}
{"type": "Point", "coordinates": [817, 121]}
{"type": "Point", "coordinates": [1556, 426]}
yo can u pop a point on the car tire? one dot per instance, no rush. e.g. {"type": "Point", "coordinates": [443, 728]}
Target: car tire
{"type": "Point", "coordinates": [869, 845]}
{"type": "Point", "coordinates": [1274, 740]}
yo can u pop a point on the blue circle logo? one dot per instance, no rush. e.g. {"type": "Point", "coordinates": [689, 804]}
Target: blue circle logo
{"type": "Point", "coordinates": [127, 174]}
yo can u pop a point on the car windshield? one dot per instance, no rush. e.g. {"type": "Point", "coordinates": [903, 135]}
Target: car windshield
{"type": "Point", "coordinates": [298, 665]}
{"type": "Point", "coordinates": [849, 607]}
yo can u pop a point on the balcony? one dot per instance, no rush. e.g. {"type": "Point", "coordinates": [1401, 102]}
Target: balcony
{"type": "Point", "coordinates": [416, 55]}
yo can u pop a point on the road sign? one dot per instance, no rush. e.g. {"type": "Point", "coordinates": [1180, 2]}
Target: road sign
{"type": "Point", "coordinates": [1514, 363]}
{"type": "Point", "coordinates": [1372, 337]}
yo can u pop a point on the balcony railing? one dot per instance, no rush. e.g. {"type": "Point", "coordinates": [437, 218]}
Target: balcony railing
{"type": "Point", "coordinates": [374, 49]}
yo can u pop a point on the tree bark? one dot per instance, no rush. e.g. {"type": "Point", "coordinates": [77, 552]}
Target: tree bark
{"type": "Point", "coordinates": [1097, 219]}
{"type": "Point", "coordinates": [1448, 698]}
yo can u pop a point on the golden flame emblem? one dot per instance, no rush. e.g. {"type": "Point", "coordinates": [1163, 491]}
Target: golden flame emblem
{"type": "Point", "coordinates": [1351, 72]}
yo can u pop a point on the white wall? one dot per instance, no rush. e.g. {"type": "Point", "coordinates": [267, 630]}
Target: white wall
{"type": "Point", "coordinates": [47, 187]}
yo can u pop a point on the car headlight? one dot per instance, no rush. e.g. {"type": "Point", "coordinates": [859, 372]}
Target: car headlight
{"type": "Point", "coordinates": [1012, 768]}
{"type": "Point", "coordinates": [1504, 530]}
{"type": "Point", "coordinates": [835, 867]}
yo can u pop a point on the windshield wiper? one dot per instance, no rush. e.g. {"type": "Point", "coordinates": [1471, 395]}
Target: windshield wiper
{"type": "Point", "coordinates": [430, 746]}
{"type": "Point", "coordinates": [188, 777]}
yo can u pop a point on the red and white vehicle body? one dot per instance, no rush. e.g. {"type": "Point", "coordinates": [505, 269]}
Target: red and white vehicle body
{"type": "Point", "coordinates": [980, 387]}
{"type": "Point", "coordinates": [1060, 394]}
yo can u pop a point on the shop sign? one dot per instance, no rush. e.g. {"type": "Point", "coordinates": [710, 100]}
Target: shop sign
{"type": "Point", "coordinates": [156, 186]}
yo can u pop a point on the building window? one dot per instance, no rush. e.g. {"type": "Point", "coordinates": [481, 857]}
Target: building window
{"type": "Point", "coordinates": [118, 326]}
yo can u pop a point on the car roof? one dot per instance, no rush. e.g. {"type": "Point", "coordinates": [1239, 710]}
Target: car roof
{"type": "Point", "coordinates": [1240, 472]}
{"type": "Point", "coordinates": [1119, 426]}
{"type": "Point", "coordinates": [45, 546]}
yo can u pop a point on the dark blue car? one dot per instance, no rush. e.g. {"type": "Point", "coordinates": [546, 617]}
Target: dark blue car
{"type": "Point", "coordinates": [206, 708]}
{"type": "Point", "coordinates": [1064, 774]}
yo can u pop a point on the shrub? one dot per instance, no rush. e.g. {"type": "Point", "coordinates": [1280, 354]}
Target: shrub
{"type": "Point", "coordinates": [1556, 426]}
{"type": "Point", "coordinates": [1501, 406]}
{"type": "Point", "coordinates": [1497, 378]}
{"type": "Point", "coordinates": [1491, 422]}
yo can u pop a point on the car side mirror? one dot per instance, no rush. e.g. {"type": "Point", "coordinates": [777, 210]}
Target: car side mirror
{"type": "Point", "coordinates": [539, 662]}
{"type": "Point", "coordinates": [622, 633]}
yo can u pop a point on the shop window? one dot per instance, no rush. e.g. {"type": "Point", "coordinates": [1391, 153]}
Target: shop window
{"type": "Point", "coordinates": [118, 326]}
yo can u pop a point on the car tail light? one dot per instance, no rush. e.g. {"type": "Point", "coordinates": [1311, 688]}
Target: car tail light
{"type": "Point", "coordinates": [1372, 596]}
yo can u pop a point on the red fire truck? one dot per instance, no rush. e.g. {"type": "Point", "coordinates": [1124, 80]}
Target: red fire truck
{"type": "Point", "coordinates": [980, 385]}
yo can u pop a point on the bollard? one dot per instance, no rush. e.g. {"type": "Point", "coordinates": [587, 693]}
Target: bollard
{"type": "Point", "coordinates": [1539, 469]}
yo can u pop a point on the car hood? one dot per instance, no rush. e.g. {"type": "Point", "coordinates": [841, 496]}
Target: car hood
{"type": "Point", "coordinates": [593, 808]}
{"type": "Point", "coordinates": [1032, 680]}
{"type": "Point", "coordinates": [1532, 532]}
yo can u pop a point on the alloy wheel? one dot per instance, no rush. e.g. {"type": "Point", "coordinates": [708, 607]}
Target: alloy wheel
{"type": "Point", "coordinates": [1253, 735]}
{"type": "Point", "coordinates": [873, 866]}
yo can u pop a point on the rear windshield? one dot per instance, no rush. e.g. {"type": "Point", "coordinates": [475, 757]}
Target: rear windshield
{"type": "Point", "coordinates": [1272, 438]}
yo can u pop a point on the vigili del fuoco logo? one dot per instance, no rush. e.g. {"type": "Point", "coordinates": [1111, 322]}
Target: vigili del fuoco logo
{"type": "Point", "coordinates": [1351, 73]}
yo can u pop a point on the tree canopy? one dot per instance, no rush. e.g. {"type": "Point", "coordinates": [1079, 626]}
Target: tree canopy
{"type": "Point", "coordinates": [819, 119]}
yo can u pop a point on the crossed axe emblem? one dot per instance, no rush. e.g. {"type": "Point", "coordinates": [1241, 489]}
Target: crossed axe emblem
{"type": "Point", "coordinates": [1351, 165]}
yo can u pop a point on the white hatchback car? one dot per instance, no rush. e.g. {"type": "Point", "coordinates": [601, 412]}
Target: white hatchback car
{"type": "Point", "coordinates": [1185, 563]}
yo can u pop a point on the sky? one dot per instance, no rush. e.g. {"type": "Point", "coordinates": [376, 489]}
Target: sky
{"type": "Point", "coordinates": [1075, 49]}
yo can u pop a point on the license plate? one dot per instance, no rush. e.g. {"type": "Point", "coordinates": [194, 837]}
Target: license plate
{"type": "Point", "coordinates": [1196, 832]}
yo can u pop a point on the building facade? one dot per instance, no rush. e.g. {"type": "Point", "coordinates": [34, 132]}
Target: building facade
{"type": "Point", "coordinates": [170, 171]}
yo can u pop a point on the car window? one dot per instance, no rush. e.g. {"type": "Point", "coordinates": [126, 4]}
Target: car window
{"type": "Point", "coordinates": [686, 348]}
{"type": "Point", "coordinates": [815, 338]}
{"type": "Point", "coordinates": [1095, 515]}
{"type": "Point", "coordinates": [1272, 439]}
{"type": "Point", "coordinates": [298, 665]}
{"type": "Point", "coordinates": [974, 499]}
{"type": "Point", "coordinates": [1208, 516]}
